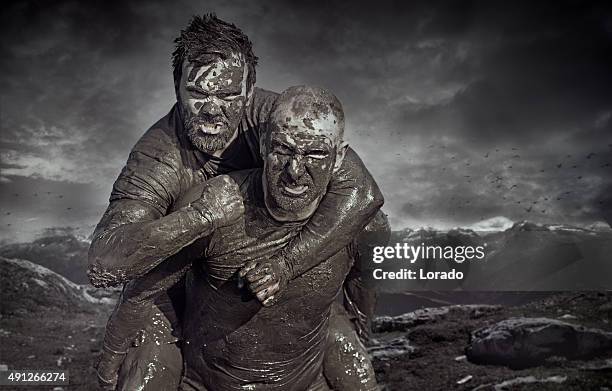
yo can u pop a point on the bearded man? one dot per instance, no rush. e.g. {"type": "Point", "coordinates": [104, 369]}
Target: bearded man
{"type": "Point", "coordinates": [214, 128]}
{"type": "Point", "coordinates": [231, 341]}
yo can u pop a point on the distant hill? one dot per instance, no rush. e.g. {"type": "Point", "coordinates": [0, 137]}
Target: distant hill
{"type": "Point", "coordinates": [27, 288]}
{"type": "Point", "coordinates": [525, 257]}
{"type": "Point", "coordinates": [65, 254]}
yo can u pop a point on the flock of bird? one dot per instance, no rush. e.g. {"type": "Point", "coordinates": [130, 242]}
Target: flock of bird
{"type": "Point", "coordinates": [36, 194]}
{"type": "Point", "coordinates": [505, 182]}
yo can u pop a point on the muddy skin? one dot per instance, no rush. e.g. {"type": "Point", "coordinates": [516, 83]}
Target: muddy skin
{"type": "Point", "coordinates": [281, 346]}
{"type": "Point", "coordinates": [136, 218]}
{"type": "Point", "coordinates": [143, 226]}
{"type": "Point", "coordinates": [230, 340]}
{"type": "Point", "coordinates": [213, 97]}
{"type": "Point", "coordinates": [134, 298]}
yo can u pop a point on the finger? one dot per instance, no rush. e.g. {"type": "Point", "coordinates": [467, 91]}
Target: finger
{"type": "Point", "coordinates": [263, 295]}
{"type": "Point", "coordinates": [259, 272]}
{"type": "Point", "coordinates": [255, 284]}
{"type": "Point", "coordinates": [269, 301]}
{"type": "Point", "coordinates": [270, 288]}
{"type": "Point", "coordinates": [265, 286]}
{"type": "Point", "coordinates": [246, 268]}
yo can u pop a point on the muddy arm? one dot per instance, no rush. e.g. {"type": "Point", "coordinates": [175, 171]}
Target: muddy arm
{"type": "Point", "coordinates": [132, 238]}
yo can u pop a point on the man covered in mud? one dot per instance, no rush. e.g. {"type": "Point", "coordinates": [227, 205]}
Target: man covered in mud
{"type": "Point", "coordinates": [231, 341]}
{"type": "Point", "coordinates": [214, 128]}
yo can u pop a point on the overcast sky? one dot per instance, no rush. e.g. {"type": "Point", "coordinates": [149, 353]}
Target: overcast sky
{"type": "Point", "coordinates": [463, 111]}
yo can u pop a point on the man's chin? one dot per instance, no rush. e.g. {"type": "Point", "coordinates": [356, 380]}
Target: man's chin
{"type": "Point", "coordinates": [293, 205]}
{"type": "Point", "coordinates": [209, 143]}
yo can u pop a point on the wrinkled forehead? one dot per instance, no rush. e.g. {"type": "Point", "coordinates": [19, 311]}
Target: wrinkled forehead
{"type": "Point", "coordinates": [302, 140]}
{"type": "Point", "coordinates": [215, 73]}
{"type": "Point", "coordinates": [310, 121]}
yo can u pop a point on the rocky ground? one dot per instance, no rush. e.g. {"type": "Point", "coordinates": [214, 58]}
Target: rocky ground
{"type": "Point", "coordinates": [427, 350]}
{"type": "Point", "coordinates": [49, 322]}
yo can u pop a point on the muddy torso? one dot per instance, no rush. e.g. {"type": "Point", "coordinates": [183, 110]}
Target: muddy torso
{"type": "Point", "coordinates": [230, 339]}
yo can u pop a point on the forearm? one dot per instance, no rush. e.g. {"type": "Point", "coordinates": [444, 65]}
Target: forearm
{"type": "Point", "coordinates": [351, 201]}
{"type": "Point", "coordinates": [124, 249]}
{"type": "Point", "coordinates": [139, 297]}
{"type": "Point", "coordinates": [136, 310]}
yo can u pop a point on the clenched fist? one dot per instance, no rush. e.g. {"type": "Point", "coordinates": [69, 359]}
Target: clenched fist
{"type": "Point", "coordinates": [265, 279]}
{"type": "Point", "coordinates": [220, 201]}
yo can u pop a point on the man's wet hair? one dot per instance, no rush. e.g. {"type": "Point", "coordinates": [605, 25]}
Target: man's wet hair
{"type": "Point", "coordinates": [207, 37]}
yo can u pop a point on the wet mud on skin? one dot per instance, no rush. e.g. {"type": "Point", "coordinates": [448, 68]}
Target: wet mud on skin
{"type": "Point", "coordinates": [213, 97]}
{"type": "Point", "coordinates": [306, 245]}
{"type": "Point", "coordinates": [282, 345]}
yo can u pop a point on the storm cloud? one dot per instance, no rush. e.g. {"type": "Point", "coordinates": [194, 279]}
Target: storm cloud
{"type": "Point", "coordinates": [462, 111]}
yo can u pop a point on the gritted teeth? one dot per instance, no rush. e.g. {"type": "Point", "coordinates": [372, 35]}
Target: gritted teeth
{"type": "Point", "coordinates": [214, 129]}
{"type": "Point", "coordinates": [297, 190]}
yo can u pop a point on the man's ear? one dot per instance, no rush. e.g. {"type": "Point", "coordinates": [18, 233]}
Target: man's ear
{"type": "Point", "coordinates": [250, 94]}
{"type": "Point", "coordinates": [340, 153]}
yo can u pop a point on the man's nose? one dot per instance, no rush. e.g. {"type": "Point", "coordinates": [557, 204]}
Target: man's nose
{"type": "Point", "coordinates": [295, 168]}
{"type": "Point", "coordinates": [211, 107]}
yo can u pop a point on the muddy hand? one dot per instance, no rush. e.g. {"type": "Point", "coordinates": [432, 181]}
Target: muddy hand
{"type": "Point", "coordinates": [265, 279]}
{"type": "Point", "coordinates": [221, 201]}
{"type": "Point", "coordinates": [108, 368]}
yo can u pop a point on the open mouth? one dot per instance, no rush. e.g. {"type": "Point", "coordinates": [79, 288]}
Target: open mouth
{"type": "Point", "coordinates": [295, 190]}
{"type": "Point", "coordinates": [216, 128]}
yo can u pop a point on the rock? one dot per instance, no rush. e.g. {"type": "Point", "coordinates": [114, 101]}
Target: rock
{"type": "Point", "coordinates": [528, 380]}
{"type": "Point", "coordinates": [568, 317]}
{"type": "Point", "coordinates": [597, 366]}
{"type": "Point", "coordinates": [383, 350]}
{"type": "Point", "coordinates": [525, 342]}
{"type": "Point", "coordinates": [510, 384]}
{"type": "Point", "coordinates": [427, 315]}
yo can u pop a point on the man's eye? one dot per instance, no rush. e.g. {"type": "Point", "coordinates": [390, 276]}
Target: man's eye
{"type": "Point", "coordinates": [228, 95]}
{"type": "Point", "coordinates": [282, 151]}
{"type": "Point", "coordinates": [195, 94]}
{"type": "Point", "coordinates": [317, 155]}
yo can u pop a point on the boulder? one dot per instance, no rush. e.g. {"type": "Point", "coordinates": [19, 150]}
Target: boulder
{"type": "Point", "coordinates": [525, 342]}
{"type": "Point", "coordinates": [385, 324]}
{"type": "Point", "coordinates": [386, 349]}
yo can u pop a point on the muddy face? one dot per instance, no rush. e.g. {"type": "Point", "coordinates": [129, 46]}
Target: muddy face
{"type": "Point", "coordinates": [301, 152]}
{"type": "Point", "coordinates": [297, 170]}
{"type": "Point", "coordinates": [213, 98]}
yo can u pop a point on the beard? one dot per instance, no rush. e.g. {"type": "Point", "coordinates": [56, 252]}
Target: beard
{"type": "Point", "coordinates": [208, 143]}
{"type": "Point", "coordinates": [289, 202]}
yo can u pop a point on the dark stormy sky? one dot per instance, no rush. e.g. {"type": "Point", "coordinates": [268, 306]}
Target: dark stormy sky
{"type": "Point", "coordinates": [463, 111]}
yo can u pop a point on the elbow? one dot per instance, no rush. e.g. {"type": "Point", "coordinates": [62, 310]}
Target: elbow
{"type": "Point", "coordinates": [378, 200]}
{"type": "Point", "coordinates": [374, 199]}
{"type": "Point", "coordinates": [102, 271]}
